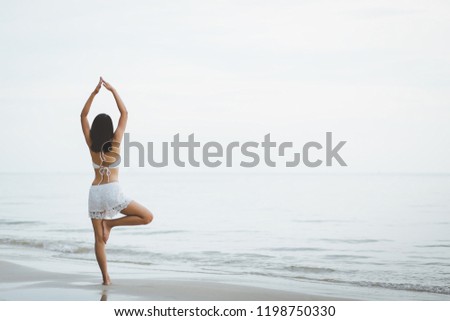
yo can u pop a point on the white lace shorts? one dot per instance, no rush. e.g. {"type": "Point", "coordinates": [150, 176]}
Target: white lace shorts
{"type": "Point", "coordinates": [106, 200]}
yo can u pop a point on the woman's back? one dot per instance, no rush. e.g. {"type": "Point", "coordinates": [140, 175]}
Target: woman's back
{"type": "Point", "coordinates": [106, 165]}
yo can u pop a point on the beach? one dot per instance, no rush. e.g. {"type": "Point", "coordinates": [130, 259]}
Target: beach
{"type": "Point", "coordinates": [19, 282]}
{"type": "Point", "coordinates": [231, 237]}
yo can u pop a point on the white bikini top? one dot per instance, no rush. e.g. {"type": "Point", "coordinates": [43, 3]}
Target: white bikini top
{"type": "Point", "coordinates": [113, 165]}
{"type": "Point", "coordinates": [105, 169]}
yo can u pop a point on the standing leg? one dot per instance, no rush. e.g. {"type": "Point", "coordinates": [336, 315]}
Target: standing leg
{"type": "Point", "coordinates": [136, 214]}
{"type": "Point", "coordinates": [100, 252]}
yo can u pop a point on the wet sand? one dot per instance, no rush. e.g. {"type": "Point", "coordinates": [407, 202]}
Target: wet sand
{"type": "Point", "coordinates": [19, 282]}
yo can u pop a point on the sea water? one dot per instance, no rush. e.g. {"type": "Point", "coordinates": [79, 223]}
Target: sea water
{"type": "Point", "coordinates": [367, 236]}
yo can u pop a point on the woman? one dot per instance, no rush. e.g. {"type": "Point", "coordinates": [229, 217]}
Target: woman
{"type": "Point", "coordinates": [106, 198]}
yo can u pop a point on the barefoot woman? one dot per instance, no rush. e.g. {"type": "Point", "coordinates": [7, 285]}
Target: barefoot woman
{"type": "Point", "coordinates": [106, 198]}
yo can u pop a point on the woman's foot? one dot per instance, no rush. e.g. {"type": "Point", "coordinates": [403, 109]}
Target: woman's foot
{"type": "Point", "coordinates": [106, 279]}
{"type": "Point", "coordinates": [106, 230]}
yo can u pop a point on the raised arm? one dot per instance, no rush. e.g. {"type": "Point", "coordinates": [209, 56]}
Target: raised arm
{"type": "Point", "coordinates": [120, 130]}
{"type": "Point", "coordinates": [84, 113]}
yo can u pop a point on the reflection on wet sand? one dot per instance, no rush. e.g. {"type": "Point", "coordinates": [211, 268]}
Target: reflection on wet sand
{"type": "Point", "coordinates": [104, 296]}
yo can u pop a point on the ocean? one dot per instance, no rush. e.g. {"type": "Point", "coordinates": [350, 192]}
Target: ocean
{"type": "Point", "coordinates": [366, 236]}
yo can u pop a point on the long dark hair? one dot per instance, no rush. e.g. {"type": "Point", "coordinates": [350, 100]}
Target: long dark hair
{"type": "Point", "coordinates": [102, 132]}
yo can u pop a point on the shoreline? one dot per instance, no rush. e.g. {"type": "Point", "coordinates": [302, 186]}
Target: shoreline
{"type": "Point", "coordinates": [23, 283]}
{"type": "Point", "coordinates": [36, 275]}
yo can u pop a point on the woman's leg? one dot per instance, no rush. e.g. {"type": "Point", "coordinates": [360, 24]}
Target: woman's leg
{"type": "Point", "coordinates": [136, 214]}
{"type": "Point", "coordinates": [100, 252]}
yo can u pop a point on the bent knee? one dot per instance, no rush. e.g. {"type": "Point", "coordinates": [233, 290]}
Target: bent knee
{"type": "Point", "coordinates": [148, 218]}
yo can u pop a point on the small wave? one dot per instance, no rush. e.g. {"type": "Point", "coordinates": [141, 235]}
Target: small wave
{"type": "Point", "coordinates": [436, 264]}
{"type": "Point", "coordinates": [133, 252]}
{"type": "Point", "coordinates": [48, 245]}
{"type": "Point", "coordinates": [434, 245]}
{"type": "Point", "coordinates": [132, 262]}
{"type": "Point", "coordinates": [27, 243]}
{"type": "Point", "coordinates": [8, 222]}
{"type": "Point", "coordinates": [436, 289]}
{"type": "Point", "coordinates": [295, 249]}
{"type": "Point", "coordinates": [353, 241]}
{"type": "Point", "coordinates": [212, 253]}
{"type": "Point", "coordinates": [407, 287]}
{"type": "Point", "coordinates": [346, 256]}
{"type": "Point", "coordinates": [70, 248]}
{"type": "Point", "coordinates": [68, 230]}
{"type": "Point", "coordinates": [149, 233]}
{"type": "Point", "coordinates": [254, 255]}
{"type": "Point", "coordinates": [308, 269]}
{"type": "Point", "coordinates": [168, 232]}
{"type": "Point", "coordinates": [427, 257]}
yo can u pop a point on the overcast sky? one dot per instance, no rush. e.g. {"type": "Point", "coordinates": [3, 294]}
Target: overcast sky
{"type": "Point", "coordinates": [375, 73]}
